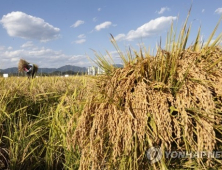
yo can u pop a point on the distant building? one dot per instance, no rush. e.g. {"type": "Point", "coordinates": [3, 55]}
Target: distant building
{"type": "Point", "coordinates": [100, 71]}
{"type": "Point", "coordinates": [92, 70]}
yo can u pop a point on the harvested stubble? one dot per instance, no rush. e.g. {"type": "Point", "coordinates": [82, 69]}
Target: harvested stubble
{"type": "Point", "coordinates": [133, 111]}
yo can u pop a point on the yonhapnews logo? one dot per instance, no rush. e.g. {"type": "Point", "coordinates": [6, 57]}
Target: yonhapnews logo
{"type": "Point", "coordinates": [154, 154]}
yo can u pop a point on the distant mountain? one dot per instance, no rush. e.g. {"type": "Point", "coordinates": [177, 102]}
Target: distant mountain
{"type": "Point", "coordinates": [46, 70]}
{"type": "Point", "coordinates": [65, 68]}
{"type": "Point", "coordinates": [9, 70]}
{"type": "Point", "coordinates": [118, 65]}
{"type": "Point", "coordinates": [72, 68]}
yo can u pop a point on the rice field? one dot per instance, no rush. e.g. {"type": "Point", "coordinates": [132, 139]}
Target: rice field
{"type": "Point", "coordinates": [37, 117]}
{"type": "Point", "coordinates": [171, 101]}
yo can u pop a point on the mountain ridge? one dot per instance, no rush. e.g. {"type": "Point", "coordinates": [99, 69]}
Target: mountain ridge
{"type": "Point", "coordinates": [65, 68]}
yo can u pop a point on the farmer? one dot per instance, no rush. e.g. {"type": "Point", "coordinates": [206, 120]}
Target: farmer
{"type": "Point", "coordinates": [30, 69]}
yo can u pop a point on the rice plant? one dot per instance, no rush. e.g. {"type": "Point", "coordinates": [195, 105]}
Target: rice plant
{"type": "Point", "coordinates": [171, 101]}
{"type": "Point", "coordinates": [37, 117]}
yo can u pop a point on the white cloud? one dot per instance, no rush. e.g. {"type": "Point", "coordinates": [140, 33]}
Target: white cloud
{"type": "Point", "coordinates": [212, 41]}
{"type": "Point", "coordinates": [76, 57]}
{"type": "Point", "coordinates": [94, 19]}
{"type": "Point", "coordinates": [116, 59]}
{"type": "Point", "coordinates": [2, 48]}
{"type": "Point", "coordinates": [77, 23]}
{"type": "Point", "coordinates": [19, 24]}
{"type": "Point", "coordinates": [218, 11]}
{"type": "Point", "coordinates": [163, 9]}
{"type": "Point", "coordinates": [14, 59]}
{"type": "Point", "coordinates": [43, 57]}
{"type": "Point", "coordinates": [150, 28]}
{"type": "Point", "coordinates": [119, 37]}
{"type": "Point", "coordinates": [10, 48]}
{"type": "Point", "coordinates": [27, 44]}
{"type": "Point", "coordinates": [81, 36]}
{"type": "Point", "coordinates": [203, 10]}
{"type": "Point", "coordinates": [80, 41]}
{"type": "Point", "coordinates": [103, 25]}
{"type": "Point", "coordinates": [99, 9]}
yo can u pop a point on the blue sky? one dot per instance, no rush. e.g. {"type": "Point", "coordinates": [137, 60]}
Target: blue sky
{"type": "Point", "coordinates": [60, 32]}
